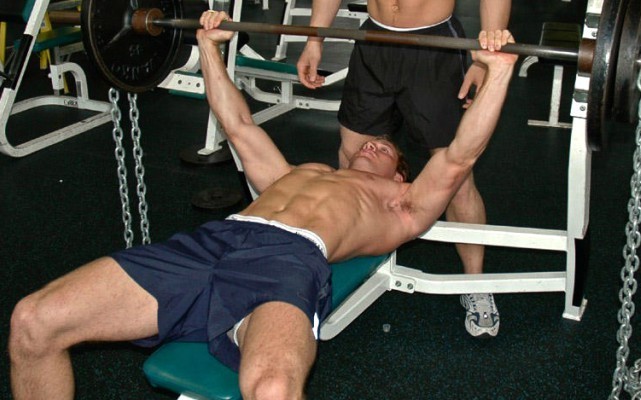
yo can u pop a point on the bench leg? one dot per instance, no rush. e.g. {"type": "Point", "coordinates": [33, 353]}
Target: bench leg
{"type": "Point", "coordinates": [555, 103]}
{"type": "Point", "coordinates": [527, 63]}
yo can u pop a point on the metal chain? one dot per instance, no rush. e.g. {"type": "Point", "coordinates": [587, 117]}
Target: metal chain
{"type": "Point", "coordinates": [141, 189]}
{"type": "Point", "coordinates": [623, 377]}
{"type": "Point", "coordinates": [116, 116]}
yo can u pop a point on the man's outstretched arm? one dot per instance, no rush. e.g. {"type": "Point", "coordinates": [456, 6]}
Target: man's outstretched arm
{"type": "Point", "coordinates": [262, 161]}
{"type": "Point", "coordinates": [432, 190]}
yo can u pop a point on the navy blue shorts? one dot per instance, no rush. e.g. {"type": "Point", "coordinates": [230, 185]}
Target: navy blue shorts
{"type": "Point", "coordinates": [388, 84]}
{"type": "Point", "coordinates": [208, 280]}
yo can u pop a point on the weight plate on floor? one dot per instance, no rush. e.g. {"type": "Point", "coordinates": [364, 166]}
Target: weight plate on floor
{"type": "Point", "coordinates": [603, 67]}
{"type": "Point", "coordinates": [127, 60]}
{"type": "Point", "coordinates": [215, 198]}
{"type": "Point", "coordinates": [626, 93]}
{"type": "Point", "coordinates": [191, 156]}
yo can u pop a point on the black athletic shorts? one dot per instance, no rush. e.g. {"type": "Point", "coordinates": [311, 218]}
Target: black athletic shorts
{"type": "Point", "coordinates": [208, 280]}
{"type": "Point", "coordinates": [391, 83]}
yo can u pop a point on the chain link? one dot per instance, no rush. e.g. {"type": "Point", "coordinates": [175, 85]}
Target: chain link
{"type": "Point", "coordinates": [117, 134]}
{"type": "Point", "coordinates": [624, 377]}
{"type": "Point", "coordinates": [141, 189]}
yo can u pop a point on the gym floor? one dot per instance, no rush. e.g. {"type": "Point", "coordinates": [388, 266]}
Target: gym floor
{"type": "Point", "coordinates": [60, 208]}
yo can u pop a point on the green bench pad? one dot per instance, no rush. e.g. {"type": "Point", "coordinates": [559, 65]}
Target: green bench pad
{"type": "Point", "coordinates": [188, 368]}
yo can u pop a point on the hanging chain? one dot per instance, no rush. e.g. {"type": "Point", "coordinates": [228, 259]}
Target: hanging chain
{"type": "Point", "coordinates": [116, 116]}
{"type": "Point", "coordinates": [141, 189]}
{"type": "Point", "coordinates": [624, 377]}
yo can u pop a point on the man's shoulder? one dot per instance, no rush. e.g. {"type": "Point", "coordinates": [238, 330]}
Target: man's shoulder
{"type": "Point", "coordinates": [316, 167]}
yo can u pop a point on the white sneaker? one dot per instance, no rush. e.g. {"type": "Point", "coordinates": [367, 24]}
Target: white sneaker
{"type": "Point", "coordinates": [482, 317]}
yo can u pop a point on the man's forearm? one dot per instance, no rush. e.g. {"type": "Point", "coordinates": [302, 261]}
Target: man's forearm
{"type": "Point", "coordinates": [323, 14]}
{"type": "Point", "coordinates": [224, 98]}
{"type": "Point", "coordinates": [495, 14]}
{"type": "Point", "coordinates": [479, 121]}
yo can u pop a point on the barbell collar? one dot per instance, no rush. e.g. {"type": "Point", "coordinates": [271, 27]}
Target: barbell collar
{"type": "Point", "coordinates": [556, 53]}
{"type": "Point", "coordinates": [586, 56]}
{"type": "Point", "coordinates": [142, 21]}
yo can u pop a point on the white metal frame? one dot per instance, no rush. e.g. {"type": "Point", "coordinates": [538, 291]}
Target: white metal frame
{"type": "Point", "coordinates": [9, 107]}
{"type": "Point", "coordinates": [555, 96]}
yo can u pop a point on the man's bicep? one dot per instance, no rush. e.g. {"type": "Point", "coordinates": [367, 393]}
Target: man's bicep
{"type": "Point", "coordinates": [262, 161]}
{"type": "Point", "coordinates": [433, 189]}
{"type": "Point", "coordinates": [428, 202]}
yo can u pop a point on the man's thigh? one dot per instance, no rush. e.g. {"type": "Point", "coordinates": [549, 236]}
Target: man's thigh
{"type": "Point", "coordinates": [277, 338]}
{"type": "Point", "coordinates": [97, 302]}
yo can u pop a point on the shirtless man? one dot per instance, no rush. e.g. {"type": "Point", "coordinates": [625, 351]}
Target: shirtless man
{"type": "Point", "coordinates": [388, 84]}
{"type": "Point", "coordinates": [260, 278]}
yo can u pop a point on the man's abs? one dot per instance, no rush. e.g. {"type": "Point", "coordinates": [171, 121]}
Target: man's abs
{"type": "Point", "coordinates": [410, 13]}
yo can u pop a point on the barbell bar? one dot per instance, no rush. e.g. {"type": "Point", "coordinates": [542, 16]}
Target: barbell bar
{"type": "Point", "coordinates": [135, 49]}
{"type": "Point", "coordinates": [556, 53]}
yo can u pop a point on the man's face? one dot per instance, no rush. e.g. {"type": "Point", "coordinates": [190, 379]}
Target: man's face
{"type": "Point", "coordinates": [378, 157]}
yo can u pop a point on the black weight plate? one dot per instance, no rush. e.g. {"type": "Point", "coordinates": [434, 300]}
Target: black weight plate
{"type": "Point", "coordinates": [626, 93]}
{"type": "Point", "coordinates": [127, 60]}
{"type": "Point", "coordinates": [601, 79]}
{"type": "Point", "coordinates": [190, 156]}
{"type": "Point", "coordinates": [215, 199]}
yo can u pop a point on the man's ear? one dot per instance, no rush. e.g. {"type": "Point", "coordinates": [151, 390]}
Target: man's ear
{"type": "Point", "coordinates": [398, 177]}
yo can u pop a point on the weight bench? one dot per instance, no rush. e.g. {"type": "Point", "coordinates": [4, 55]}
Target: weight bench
{"type": "Point", "coordinates": [32, 12]}
{"type": "Point", "coordinates": [556, 34]}
{"type": "Point", "coordinates": [187, 368]}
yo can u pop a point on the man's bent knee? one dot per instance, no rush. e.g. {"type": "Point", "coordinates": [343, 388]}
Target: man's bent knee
{"type": "Point", "coordinates": [271, 385]}
{"type": "Point", "coordinates": [31, 333]}
{"type": "Point", "coordinates": [278, 349]}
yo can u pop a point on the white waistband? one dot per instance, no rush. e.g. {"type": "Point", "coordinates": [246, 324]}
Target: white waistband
{"type": "Point", "coordinates": [397, 29]}
{"type": "Point", "coordinates": [309, 235]}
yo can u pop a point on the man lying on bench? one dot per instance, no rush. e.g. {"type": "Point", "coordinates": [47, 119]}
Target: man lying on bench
{"type": "Point", "coordinates": [256, 285]}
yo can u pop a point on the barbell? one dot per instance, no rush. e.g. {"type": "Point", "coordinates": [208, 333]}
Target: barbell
{"type": "Point", "coordinates": [136, 48]}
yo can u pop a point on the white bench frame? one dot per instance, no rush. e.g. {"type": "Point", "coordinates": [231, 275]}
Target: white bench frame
{"type": "Point", "coordinates": [9, 107]}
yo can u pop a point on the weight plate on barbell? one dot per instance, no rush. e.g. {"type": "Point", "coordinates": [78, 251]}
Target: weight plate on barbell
{"type": "Point", "coordinates": [127, 60]}
{"type": "Point", "coordinates": [626, 95]}
{"type": "Point", "coordinates": [601, 79]}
